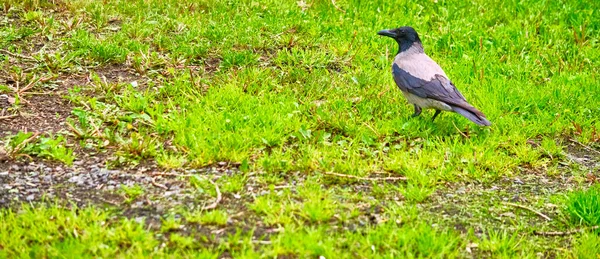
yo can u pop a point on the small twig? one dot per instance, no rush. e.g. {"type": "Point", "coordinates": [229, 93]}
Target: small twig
{"type": "Point", "coordinates": [218, 231]}
{"type": "Point", "coordinates": [185, 66]}
{"type": "Point", "coordinates": [77, 132]}
{"type": "Point", "coordinates": [37, 93]}
{"type": "Point", "coordinates": [33, 82]}
{"type": "Point", "coordinates": [282, 187]}
{"type": "Point", "coordinates": [371, 128]}
{"type": "Point", "coordinates": [21, 91]}
{"type": "Point", "coordinates": [584, 146]}
{"type": "Point", "coordinates": [565, 233]}
{"type": "Point", "coordinates": [382, 93]}
{"type": "Point", "coordinates": [192, 77]}
{"type": "Point", "coordinates": [15, 55]}
{"type": "Point", "coordinates": [24, 155]}
{"type": "Point", "coordinates": [367, 178]}
{"type": "Point", "coordinates": [8, 117]}
{"type": "Point", "coordinates": [352, 42]}
{"type": "Point", "coordinates": [529, 209]}
{"type": "Point", "coordinates": [459, 131]}
{"type": "Point", "coordinates": [336, 7]}
{"type": "Point", "coordinates": [172, 174]}
{"type": "Point", "coordinates": [28, 86]}
{"type": "Point", "coordinates": [162, 186]}
{"type": "Point", "coordinates": [216, 202]}
{"type": "Point", "coordinates": [275, 230]}
{"type": "Point", "coordinates": [109, 201]}
{"type": "Point", "coordinates": [262, 242]}
{"type": "Point", "coordinates": [96, 130]}
{"type": "Point", "coordinates": [290, 30]}
{"type": "Point", "coordinates": [258, 242]}
{"type": "Point", "coordinates": [25, 142]}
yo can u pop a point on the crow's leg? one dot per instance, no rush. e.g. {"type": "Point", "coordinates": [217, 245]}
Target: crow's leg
{"type": "Point", "coordinates": [417, 111]}
{"type": "Point", "coordinates": [437, 112]}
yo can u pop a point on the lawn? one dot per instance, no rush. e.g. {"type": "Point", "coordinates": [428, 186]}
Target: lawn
{"type": "Point", "coordinates": [217, 129]}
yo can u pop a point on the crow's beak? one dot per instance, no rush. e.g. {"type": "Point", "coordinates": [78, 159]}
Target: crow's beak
{"type": "Point", "coordinates": [388, 33]}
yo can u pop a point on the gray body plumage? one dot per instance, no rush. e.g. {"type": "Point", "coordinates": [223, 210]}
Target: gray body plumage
{"type": "Point", "coordinates": [423, 82]}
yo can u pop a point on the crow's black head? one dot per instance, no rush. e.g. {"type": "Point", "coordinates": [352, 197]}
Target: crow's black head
{"type": "Point", "coordinates": [405, 36]}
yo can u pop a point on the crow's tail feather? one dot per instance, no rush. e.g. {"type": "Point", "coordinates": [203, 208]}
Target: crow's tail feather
{"type": "Point", "coordinates": [475, 116]}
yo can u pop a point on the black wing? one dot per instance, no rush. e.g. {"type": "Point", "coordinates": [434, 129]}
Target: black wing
{"type": "Point", "coordinates": [438, 88]}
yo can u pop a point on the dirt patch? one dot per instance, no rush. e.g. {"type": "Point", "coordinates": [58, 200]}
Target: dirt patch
{"type": "Point", "coordinates": [584, 155]}
{"type": "Point", "coordinates": [114, 73]}
{"type": "Point", "coordinates": [42, 113]}
{"type": "Point", "coordinates": [460, 201]}
{"type": "Point", "coordinates": [46, 110]}
{"type": "Point", "coordinates": [485, 209]}
{"type": "Point", "coordinates": [89, 183]}
{"type": "Point", "coordinates": [43, 108]}
{"type": "Point", "coordinates": [212, 65]}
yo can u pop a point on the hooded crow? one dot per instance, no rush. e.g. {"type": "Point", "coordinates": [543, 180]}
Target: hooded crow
{"type": "Point", "coordinates": [423, 82]}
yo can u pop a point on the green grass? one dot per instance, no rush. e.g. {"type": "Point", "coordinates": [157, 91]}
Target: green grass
{"type": "Point", "coordinates": [55, 232]}
{"type": "Point", "coordinates": [216, 217]}
{"type": "Point", "coordinates": [131, 193]}
{"type": "Point", "coordinates": [286, 91]}
{"type": "Point", "coordinates": [52, 231]}
{"type": "Point", "coordinates": [28, 144]}
{"type": "Point", "coordinates": [584, 206]}
{"type": "Point", "coordinates": [305, 95]}
{"type": "Point", "coordinates": [587, 246]}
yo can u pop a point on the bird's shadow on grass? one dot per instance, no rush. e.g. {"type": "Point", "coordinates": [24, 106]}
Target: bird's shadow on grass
{"type": "Point", "coordinates": [444, 127]}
